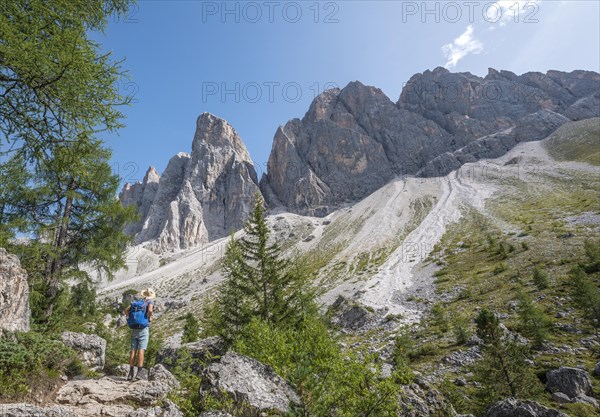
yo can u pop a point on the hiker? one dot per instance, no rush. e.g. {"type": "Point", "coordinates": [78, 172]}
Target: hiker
{"type": "Point", "coordinates": [139, 316]}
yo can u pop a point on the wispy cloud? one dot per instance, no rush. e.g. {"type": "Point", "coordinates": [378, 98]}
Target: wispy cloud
{"type": "Point", "coordinates": [462, 46]}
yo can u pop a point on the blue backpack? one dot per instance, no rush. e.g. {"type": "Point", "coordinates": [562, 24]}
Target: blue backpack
{"type": "Point", "coordinates": [137, 315]}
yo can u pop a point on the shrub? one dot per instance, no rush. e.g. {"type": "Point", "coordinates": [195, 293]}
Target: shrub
{"type": "Point", "coordinates": [190, 329]}
{"type": "Point", "coordinates": [534, 322]}
{"type": "Point", "coordinates": [29, 359]}
{"type": "Point", "coordinates": [540, 278]}
{"type": "Point", "coordinates": [585, 294]}
{"type": "Point", "coordinates": [461, 328]}
{"type": "Point", "coordinates": [330, 382]}
{"type": "Point", "coordinates": [439, 319]}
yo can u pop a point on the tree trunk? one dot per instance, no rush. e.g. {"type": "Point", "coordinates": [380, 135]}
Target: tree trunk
{"type": "Point", "coordinates": [53, 279]}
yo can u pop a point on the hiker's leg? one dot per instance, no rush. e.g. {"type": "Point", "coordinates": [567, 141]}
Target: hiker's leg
{"type": "Point", "coordinates": [132, 357]}
{"type": "Point", "coordinates": [140, 358]}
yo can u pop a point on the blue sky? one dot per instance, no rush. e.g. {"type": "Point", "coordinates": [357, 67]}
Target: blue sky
{"type": "Point", "coordinates": [259, 64]}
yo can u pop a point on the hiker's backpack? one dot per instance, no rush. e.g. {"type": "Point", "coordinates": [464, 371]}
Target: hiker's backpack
{"type": "Point", "coordinates": [137, 315]}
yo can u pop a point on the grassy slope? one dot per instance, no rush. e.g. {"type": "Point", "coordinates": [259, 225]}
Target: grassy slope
{"type": "Point", "coordinates": [576, 141]}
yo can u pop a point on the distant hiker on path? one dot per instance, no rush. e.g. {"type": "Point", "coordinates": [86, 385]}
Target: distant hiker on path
{"type": "Point", "coordinates": [139, 316]}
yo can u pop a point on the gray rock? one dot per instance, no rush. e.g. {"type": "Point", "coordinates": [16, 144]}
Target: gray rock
{"type": "Point", "coordinates": [516, 408]}
{"type": "Point", "coordinates": [349, 315]}
{"type": "Point", "coordinates": [597, 369]}
{"type": "Point", "coordinates": [422, 400]}
{"type": "Point", "coordinates": [14, 294]}
{"type": "Point", "coordinates": [161, 374]}
{"type": "Point", "coordinates": [571, 381]}
{"type": "Point", "coordinates": [585, 399]}
{"type": "Point", "coordinates": [559, 397]}
{"type": "Point", "coordinates": [202, 353]}
{"type": "Point", "coordinates": [215, 414]}
{"type": "Point", "coordinates": [90, 348]}
{"type": "Point", "coordinates": [201, 196]}
{"type": "Point", "coordinates": [249, 383]}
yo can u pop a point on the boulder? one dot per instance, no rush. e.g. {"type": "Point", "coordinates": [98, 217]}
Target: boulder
{"type": "Point", "coordinates": [161, 374]}
{"type": "Point", "coordinates": [597, 369]}
{"type": "Point", "coordinates": [570, 381]}
{"type": "Point", "coordinates": [254, 387]}
{"type": "Point", "coordinates": [14, 294]}
{"type": "Point", "coordinates": [559, 397]}
{"type": "Point", "coordinates": [419, 399]}
{"type": "Point", "coordinates": [349, 314]}
{"type": "Point", "coordinates": [512, 407]}
{"type": "Point", "coordinates": [90, 348]}
{"type": "Point", "coordinates": [201, 353]}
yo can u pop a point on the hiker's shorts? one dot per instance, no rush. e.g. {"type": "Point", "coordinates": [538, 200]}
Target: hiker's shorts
{"type": "Point", "coordinates": [139, 338]}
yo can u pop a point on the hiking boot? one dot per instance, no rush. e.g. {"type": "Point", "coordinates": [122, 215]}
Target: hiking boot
{"type": "Point", "coordinates": [131, 373]}
{"type": "Point", "coordinates": [142, 373]}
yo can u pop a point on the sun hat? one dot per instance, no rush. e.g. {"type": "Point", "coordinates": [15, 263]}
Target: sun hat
{"type": "Point", "coordinates": [148, 293]}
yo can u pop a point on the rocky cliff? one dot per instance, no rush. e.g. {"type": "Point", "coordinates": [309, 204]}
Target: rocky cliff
{"type": "Point", "coordinates": [354, 140]}
{"type": "Point", "coordinates": [350, 143]}
{"type": "Point", "coordinates": [200, 196]}
{"type": "Point", "coordinates": [14, 294]}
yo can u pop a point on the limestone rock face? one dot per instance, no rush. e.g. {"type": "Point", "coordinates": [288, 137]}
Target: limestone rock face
{"type": "Point", "coordinates": [14, 294]}
{"type": "Point", "coordinates": [354, 140]}
{"type": "Point", "coordinates": [90, 348]}
{"type": "Point", "coordinates": [516, 408]}
{"type": "Point", "coordinates": [140, 194]}
{"type": "Point", "coordinates": [248, 381]}
{"type": "Point", "coordinates": [201, 196]}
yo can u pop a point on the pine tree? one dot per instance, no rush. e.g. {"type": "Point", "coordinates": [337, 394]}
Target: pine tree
{"type": "Point", "coordinates": [191, 329]}
{"type": "Point", "coordinates": [259, 283]}
{"type": "Point", "coordinates": [534, 322]}
{"type": "Point", "coordinates": [540, 278]}
{"type": "Point", "coordinates": [503, 371]}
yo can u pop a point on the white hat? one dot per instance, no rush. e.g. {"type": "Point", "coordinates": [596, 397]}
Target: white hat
{"type": "Point", "coordinates": [148, 293]}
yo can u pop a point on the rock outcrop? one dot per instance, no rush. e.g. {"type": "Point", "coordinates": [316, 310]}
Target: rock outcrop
{"type": "Point", "coordinates": [14, 294]}
{"type": "Point", "coordinates": [90, 348]}
{"type": "Point", "coordinates": [253, 386]}
{"type": "Point", "coordinates": [200, 197]}
{"type": "Point", "coordinates": [110, 396]}
{"type": "Point", "coordinates": [516, 408]}
{"type": "Point", "coordinates": [354, 140]}
{"type": "Point", "coordinates": [201, 353]}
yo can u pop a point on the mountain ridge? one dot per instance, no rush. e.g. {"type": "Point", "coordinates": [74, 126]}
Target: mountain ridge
{"type": "Point", "coordinates": [354, 140]}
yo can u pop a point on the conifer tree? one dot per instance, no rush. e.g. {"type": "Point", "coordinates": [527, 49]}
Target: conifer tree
{"type": "Point", "coordinates": [260, 282]}
{"type": "Point", "coordinates": [191, 329]}
{"type": "Point", "coordinates": [503, 371]}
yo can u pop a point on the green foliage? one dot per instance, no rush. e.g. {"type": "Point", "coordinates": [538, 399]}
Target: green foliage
{"type": "Point", "coordinates": [58, 92]}
{"type": "Point", "coordinates": [83, 299]}
{"type": "Point", "coordinates": [55, 82]}
{"type": "Point", "coordinates": [439, 319]}
{"type": "Point", "coordinates": [28, 359]}
{"type": "Point", "coordinates": [585, 294]}
{"type": "Point", "coordinates": [534, 322]}
{"type": "Point", "coordinates": [540, 278]}
{"type": "Point", "coordinates": [190, 329]}
{"type": "Point", "coordinates": [329, 381]}
{"type": "Point", "coordinates": [259, 283]}
{"type": "Point", "coordinates": [461, 328]}
{"type": "Point", "coordinates": [503, 371]}
{"type": "Point", "coordinates": [592, 251]}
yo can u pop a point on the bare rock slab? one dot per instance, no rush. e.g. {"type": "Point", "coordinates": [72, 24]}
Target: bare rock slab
{"type": "Point", "coordinates": [248, 382]}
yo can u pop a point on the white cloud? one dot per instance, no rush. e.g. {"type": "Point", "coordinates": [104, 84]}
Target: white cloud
{"type": "Point", "coordinates": [462, 46]}
{"type": "Point", "coordinates": [503, 12]}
